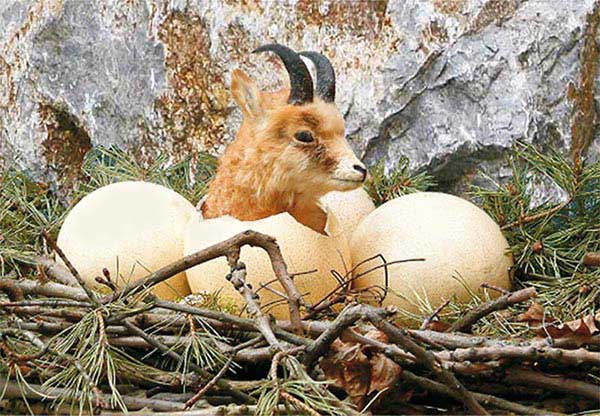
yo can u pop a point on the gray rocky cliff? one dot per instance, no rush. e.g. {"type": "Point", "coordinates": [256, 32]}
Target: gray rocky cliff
{"type": "Point", "coordinates": [451, 84]}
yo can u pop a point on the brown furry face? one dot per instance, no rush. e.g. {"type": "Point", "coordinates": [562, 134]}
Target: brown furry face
{"type": "Point", "coordinates": [284, 158]}
{"type": "Point", "coordinates": [314, 135]}
{"type": "Point", "coordinates": [304, 146]}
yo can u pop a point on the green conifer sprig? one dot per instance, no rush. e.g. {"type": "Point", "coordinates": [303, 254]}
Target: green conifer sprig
{"type": "Point", "coordinates": [384, 186]}
{"type": "Point", "coordinates": [549, 239]}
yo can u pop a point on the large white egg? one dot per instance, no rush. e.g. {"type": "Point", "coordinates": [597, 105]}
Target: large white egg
{"type": "Point", "coordinates": [130, 228]}
{"type": "Point", "coordinates": [462, 246]}
{"type": "Point", "coordinates": [302, 248]}
{"type": "Point", "coordinates": [350, 207]}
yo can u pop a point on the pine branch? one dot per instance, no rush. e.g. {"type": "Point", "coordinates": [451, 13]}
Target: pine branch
{"type": "Point", "coordinates": [173, 355]}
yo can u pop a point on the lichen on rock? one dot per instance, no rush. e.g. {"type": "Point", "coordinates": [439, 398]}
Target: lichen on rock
{"type": "Point", "coordinates": [194, 108]}
{"type": "Point", "coordinates": [586, 110]}
{"type": "Point", "coordinates": [65, 145]}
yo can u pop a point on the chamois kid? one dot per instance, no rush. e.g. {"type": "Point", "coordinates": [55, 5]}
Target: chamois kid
{"type": "Point", "coordinates": [290, 149]}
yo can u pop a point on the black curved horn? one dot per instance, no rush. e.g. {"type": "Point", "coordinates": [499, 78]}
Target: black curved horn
{"type": "Point", "coordinates": [325, 75]}
{"type": "Point", "coordinates": [301, 84]}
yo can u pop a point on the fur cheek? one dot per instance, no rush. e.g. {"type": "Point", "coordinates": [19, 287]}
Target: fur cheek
{"type": "Point", "coordinates": [319, 157]}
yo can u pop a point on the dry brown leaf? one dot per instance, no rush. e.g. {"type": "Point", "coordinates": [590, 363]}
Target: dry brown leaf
{"type": "Point", "coordinates": [438, 326]}
{"type": "Point", "coordinates": [333, 371]}
{"type": "Point", "coordinates": [377, 335]}
{"type": "Point", "coordinates": [357, 373]}
{"type": "Point", "coordinates": [577, 330]}
{"type": "Point", "coordinates": [585, 327]}
{"type": "Point", "coordinates": [359, 369]}
{"type": "Point", "coordinates": [384, 373]}
{"type": "Point", "coordinates": [348, 368]}
{"type": "Point", "coordinates": [533, 316]}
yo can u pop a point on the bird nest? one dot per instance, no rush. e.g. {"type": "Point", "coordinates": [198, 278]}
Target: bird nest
{"type": "Point", "coordinates": [66, 348]}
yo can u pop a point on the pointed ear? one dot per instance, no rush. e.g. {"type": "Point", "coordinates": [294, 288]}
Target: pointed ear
{"type": "Point", "coordinates": [246, 93]}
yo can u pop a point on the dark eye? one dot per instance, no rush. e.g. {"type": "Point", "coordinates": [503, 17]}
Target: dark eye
{"type": "Point", "coordinates": [304, 136]}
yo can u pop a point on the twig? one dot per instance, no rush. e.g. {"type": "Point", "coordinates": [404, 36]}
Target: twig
{"type": "Point", "coordinates": [208, 385]}
{"type": "Point", "coordinates": [241, 323]}
{"type": "Point", "coordinates": [237, 277]}
{"type": "Point", "coordinates": [377, 317]}
{"type": "Point", "coordinates": [48, 289]}
{"type": "Point", "coordinates": [277, 359]}
{"type": "Point", "coordinates": [13, 292]}
{"type": "Point", "coordinates": [575, 342]}
{"type": "Point", "coordinates": [43, 348]}
{"type": "Point", "coordinates": [494, 287]}
{"type": "Point", "coordinates": [540, 215]}
{"type": "Point", "coordinates": [457, 340]}
{"type": "Point", "coordinates": [400, 337]}
{"type": "Point", "coordinates": [292, 276]}
{"type": "Point", "coordinates": [55, 327]}
{"type": "Point", "coordinates": [223, 248]}
{"type": "Point", "coordinates": [231, 410]}
{"type": "Point", "coordinates": [403, 358]}
{"type": "Point", "coordinates": [503, 302]}
{"type": "Point", "coordinates": [344, 320]}
{"type": "Point", "coordinates": [54, 303]}
{"type": "Point", "coordinates": [247, 355]}
{"type": "Point", "coordinates": [468, 368]}
{"type": "Point", "coordinates": [324, 305]}
{"type": "Point", "coordinates": [524, 377]}
{"type": "Point", "coordinates": [439, 388]}
{"type": "Point", "coordinates": [12, 390]}
{"type": "Point", "coordinates": [69, 314]}
{"type": "Point", "coordinates": [172, 354]}
{"type": "Point", "coordinates": [294, 297]}
{"type": "Point", "coordinates": [528, 353]}
{"type": "Point", "coordinates": [347, 281]}
{"type": "Point", "coordinates": [90, 294]}
{"type": "Point", "coordinates": [435, 313]}
{"type": "Point", "coordinates": [55, 271]}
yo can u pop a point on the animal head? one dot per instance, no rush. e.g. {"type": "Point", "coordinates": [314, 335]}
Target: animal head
{"type": "Point", "coordinates": [297, 133]}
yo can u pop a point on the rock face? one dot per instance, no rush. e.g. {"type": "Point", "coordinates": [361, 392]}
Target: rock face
{"type": "Point", "coordinates": [449, 83]}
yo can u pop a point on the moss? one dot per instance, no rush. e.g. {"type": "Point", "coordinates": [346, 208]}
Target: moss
{"type": "Point", "coordinates": [585, 113]}
{"type": "Point", "coordinates": [65, 146]}
{"type": "Point", "coordinates": [364, 18]}
{"type": "Point", "coordinates": [195, 106]}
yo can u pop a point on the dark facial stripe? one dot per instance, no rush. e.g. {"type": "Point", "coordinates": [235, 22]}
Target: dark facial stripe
{"type": "Point", "coordinates": [320, 156]}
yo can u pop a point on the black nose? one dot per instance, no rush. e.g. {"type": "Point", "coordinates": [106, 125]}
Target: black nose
{"type": "Point", "coordinates": [361, 169]}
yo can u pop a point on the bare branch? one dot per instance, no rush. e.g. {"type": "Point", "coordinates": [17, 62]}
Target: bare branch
{"type": "Point", "coordinates": [503, 302]}
{"type": "Point", "coordinates": [89, 292]}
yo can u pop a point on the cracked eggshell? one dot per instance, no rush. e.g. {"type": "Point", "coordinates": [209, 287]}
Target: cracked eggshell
{"type": "Point", "coordinates": [302, 248]}
{"type": "Point", "coordinates": [350, 207]}
{"type": "Point", "coordinates": [454, 236]}
{"type": "Point", "coordinates": [130, 228]}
